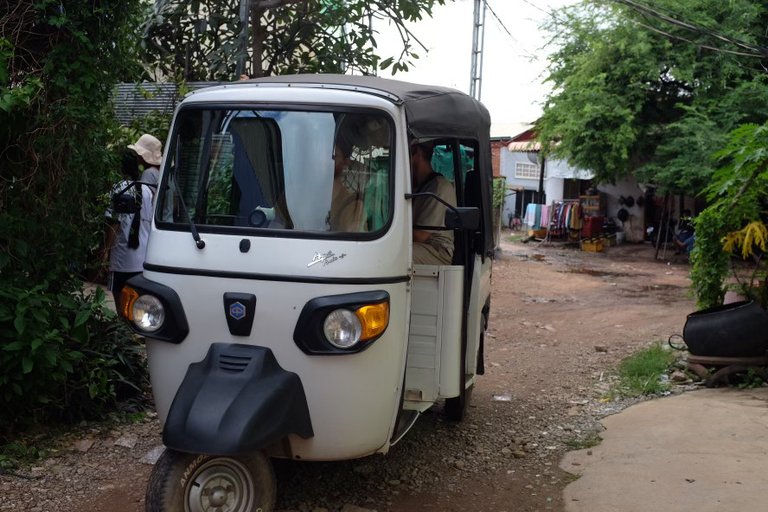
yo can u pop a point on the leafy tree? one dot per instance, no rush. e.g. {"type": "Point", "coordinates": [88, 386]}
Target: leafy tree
{"type": "Point", "coordinates": [200, 40]}
{"type": "Point", "coordinates": [652, 87]}
{"type": "Point", "coordinates": [59, 60]}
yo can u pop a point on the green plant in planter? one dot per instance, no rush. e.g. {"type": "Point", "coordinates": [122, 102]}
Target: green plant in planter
{"type": "Point", "coordinates": [750, 243]}
{"type": "Point", "coordinates": [737, 195]}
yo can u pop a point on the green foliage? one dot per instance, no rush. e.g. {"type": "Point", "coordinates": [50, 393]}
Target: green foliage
{"type": "Point", "coordinates": [737, 195]}
{"type": "Point", "coordinates": [709, 261]}
{"type": "Point", "coordinates": [633, 94]}
{"type": "Point", "coordinates": [636, 94]}
{"type": "Point", "coordinates": [63, 357]}
{"type": "Point", "coordinates": [499, 191]}
{"type": "Point", "coordinates": [201, 40]}
{"type": "Point", "coordinates": [641, 373]}
{"type": "Point", "coordinates": [18, 452]}
{"type": "Point", "coordinates": [156, 123]}
{"type": "Point", "coordinates": [57, 163]}
{"type": "Point", "coordinates": [751, 380]}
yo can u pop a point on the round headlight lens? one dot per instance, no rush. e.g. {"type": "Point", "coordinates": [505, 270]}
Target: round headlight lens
{"type": "Point", "coordinates": [148, 313]}
{"type": "Point", "coordinates": [342, 328]}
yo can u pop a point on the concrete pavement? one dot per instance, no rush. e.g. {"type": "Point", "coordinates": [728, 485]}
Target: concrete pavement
{"type": "Point", "coordinates": [702, 451]}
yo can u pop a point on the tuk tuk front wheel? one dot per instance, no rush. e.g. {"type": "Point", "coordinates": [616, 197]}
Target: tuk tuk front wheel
{"type": "Point", "coordinates": [183, 482]}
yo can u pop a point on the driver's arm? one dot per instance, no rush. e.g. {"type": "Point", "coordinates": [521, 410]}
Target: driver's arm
{"type": "Point", "coordinates": [419, 235]}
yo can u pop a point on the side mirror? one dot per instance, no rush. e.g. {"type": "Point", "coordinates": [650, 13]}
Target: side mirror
{"type": "Point", "coordinates": [466, 218]}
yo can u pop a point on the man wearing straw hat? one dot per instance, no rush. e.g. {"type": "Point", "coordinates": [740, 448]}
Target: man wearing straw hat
{"type": "Point", "coordinates": [150, 152]}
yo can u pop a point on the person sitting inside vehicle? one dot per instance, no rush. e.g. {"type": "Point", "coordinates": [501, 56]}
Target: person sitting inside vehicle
{"type": "Point", "coordinates": [430, 247]}
{"type": "Point", "coordinates": [347, 212]}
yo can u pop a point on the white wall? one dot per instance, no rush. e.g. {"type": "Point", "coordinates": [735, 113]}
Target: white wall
{"type": "Point", "coordinates": [553, 188]}
{"type": "Point", "coordinates": [634, 227]}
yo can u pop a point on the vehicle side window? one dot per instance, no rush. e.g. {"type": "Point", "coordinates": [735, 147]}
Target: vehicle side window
{"type": "Point", "coordinates": [470, 191]}
{"type": "Point", "coordinates": [455, 160]}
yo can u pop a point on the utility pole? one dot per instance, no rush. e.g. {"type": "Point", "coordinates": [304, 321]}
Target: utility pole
{"type": "Point", "coordinates": [478, 39]}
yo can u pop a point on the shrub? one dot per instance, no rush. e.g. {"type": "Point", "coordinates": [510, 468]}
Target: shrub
{"type": "Point", "coordinates": [64, 357]}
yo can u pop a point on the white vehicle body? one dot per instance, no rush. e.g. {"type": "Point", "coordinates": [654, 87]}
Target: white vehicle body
{"type": "Point", "coordinates": [224, 267]}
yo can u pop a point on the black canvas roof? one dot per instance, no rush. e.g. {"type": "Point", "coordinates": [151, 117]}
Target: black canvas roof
{"type": "Point", "coordinates": [431, 111]}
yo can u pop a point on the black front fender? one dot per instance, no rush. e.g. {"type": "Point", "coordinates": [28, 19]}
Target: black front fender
{"type": "Point", "coordinates": [236, 400]}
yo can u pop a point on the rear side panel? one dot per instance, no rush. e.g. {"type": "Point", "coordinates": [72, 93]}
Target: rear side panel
{"type": "Point", "coordinates": [434, 343]}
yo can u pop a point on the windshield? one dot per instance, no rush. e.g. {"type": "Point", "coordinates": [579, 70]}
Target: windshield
{"type": "Point", "coordinates": [236, 169]}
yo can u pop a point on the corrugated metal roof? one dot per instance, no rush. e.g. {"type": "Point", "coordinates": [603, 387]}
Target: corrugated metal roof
{"type": "Point", "coordinates": [528, 146]}
{"type": "Point", "coordinates": [135, 100]}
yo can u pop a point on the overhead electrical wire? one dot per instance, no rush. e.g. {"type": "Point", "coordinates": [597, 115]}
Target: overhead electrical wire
{"type": "Point", "coordinates": [548, 13]}
{"type": "Point", "coordinates": [707, 47]}
{"type": "Point", "coordinates": [503, 26]}
{"type": "Point", "coordinates": [499, 20]}
{"type": "Point", "coordinates": [755, 50]}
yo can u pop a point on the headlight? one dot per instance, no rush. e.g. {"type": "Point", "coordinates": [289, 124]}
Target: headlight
{"type": "Point", "coordinates": [342, 324]}
{"type": "Point", "coordinates": [148, 313]}
{"type": "Point", "coordinates": [342, 328]}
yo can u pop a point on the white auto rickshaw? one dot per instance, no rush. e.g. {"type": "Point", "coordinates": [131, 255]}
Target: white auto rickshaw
{"type": "Point", "coordinates": [270, 332]}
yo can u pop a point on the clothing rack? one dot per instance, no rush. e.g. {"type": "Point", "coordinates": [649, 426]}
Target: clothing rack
{"type": "Point", "coordinates": [565, 221]}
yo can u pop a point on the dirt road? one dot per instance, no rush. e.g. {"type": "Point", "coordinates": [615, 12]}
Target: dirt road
{"type": "Point", "coordinates": [561, 320]}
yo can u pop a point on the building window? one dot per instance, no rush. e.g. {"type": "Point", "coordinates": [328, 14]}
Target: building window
{"type": "Point", "coordinates": [526, 171]}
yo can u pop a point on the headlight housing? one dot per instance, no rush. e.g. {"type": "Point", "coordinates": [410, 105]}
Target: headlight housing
{"type": "Point", "coordinates": [342, 324]}
{"type": "Point", "coordinates": [145, 311]}
{"type": "Point", "coordinates": [153, 309]}
{"type": "Point", "coordinates": [345, 328]}
{"type": "Point", "coordinates": [148, 313]}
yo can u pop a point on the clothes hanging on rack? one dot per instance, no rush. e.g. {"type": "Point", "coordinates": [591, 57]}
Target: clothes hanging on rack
{"type": "Point", "coordinates": [565, 219]}
{"type": "Point", "coordinates": [575, 221]}
{"type": "Point", "coordinates": [545, 215]}
{"type": "Point", "coordinates": [566, 215]}
{"type": "Point", "coordinates": [536, 216]}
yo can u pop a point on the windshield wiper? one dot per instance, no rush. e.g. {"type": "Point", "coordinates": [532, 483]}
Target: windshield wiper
{"type": "Point", "coordinates": [199, 242]}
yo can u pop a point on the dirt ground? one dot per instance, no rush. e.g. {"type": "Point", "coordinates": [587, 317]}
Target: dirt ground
{"type": "Point", "coordinates": [561, 321]}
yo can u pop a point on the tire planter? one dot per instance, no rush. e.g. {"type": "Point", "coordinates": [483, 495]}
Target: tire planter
{"type": "Point", "coordinates": [739, 329]}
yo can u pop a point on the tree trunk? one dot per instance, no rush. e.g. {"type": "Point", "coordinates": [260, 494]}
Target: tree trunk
{"type": "Point", "coordinates": [257, 42]}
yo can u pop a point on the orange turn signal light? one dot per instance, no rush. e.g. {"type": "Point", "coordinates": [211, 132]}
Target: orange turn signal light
{"type": "Point", "coordinates": [128, 297]}
{"type": "Point", "coordinates": [374, 319]}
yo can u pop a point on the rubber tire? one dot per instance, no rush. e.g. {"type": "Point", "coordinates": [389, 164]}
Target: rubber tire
{"type": "Point", "coordinates": [174, 472]}
{"type": "Point", "coordinates": [456, 407]}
